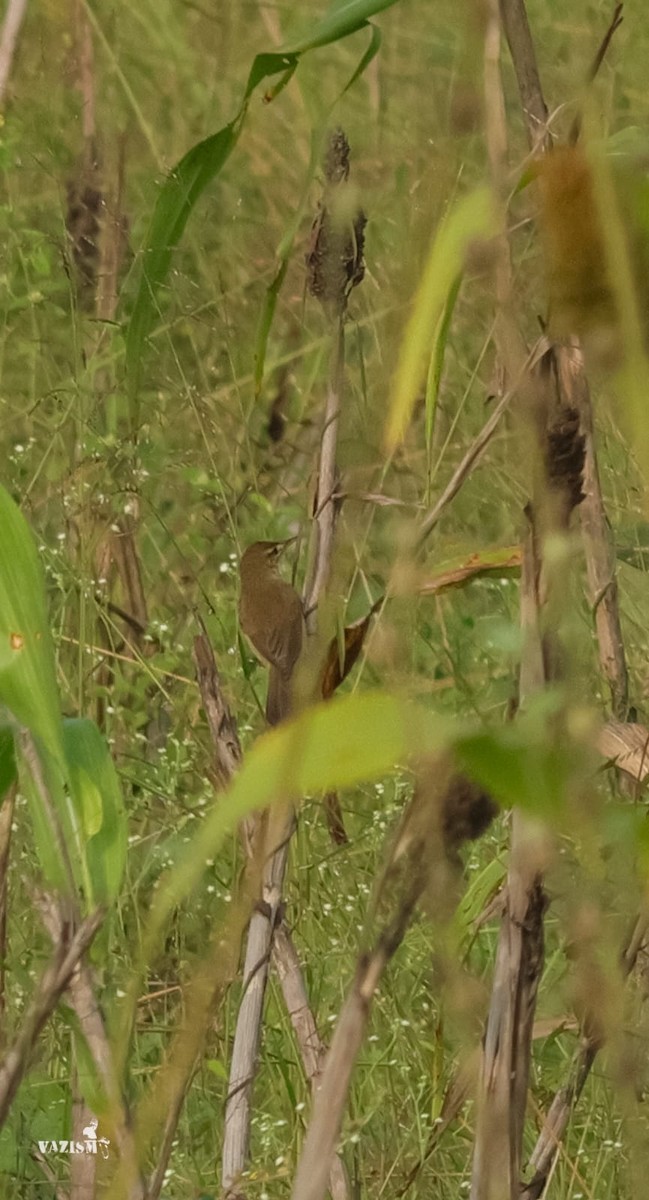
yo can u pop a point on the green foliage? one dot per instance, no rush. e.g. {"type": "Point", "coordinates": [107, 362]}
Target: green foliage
{"type": "Point", "coordinates": [469, 220]}
{"type": "Point", "coordinates": [27, 674]}
{"type": "Point", "coordinates": [219, 278]}
{"type": "Point", "coordinates": [189, 178]}
{"type": "Point", "coordinates": [100, 809]}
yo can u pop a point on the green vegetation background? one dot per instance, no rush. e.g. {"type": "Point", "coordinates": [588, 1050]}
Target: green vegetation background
{"type": "Point", "coordinates": [209, 480]}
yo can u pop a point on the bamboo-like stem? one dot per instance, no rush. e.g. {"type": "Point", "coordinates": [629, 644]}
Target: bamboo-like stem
{"type": "Point", "coordinates": [596, 535]}
{"type": "Point", "coordinates": [502, 1093]}
{"type": "Point", "coordinates": [263, 927]}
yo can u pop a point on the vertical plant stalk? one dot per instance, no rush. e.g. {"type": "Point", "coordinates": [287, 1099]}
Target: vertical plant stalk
{"type": "Point", "coordinates": [600, 566]}
{"type": "Point", "coordinates": [13, 19]}
{"type": "Point", "coordinates": [502, 1092]}
{"type": "Point", "coordinates": [598, 546]}
{"type": "Point", "coordinates": [247, 1037]}
{"type": "Point", "coordinates": [325, 505]}
{"type": "Point", "coordinates": [599, 551]}
{"type": "Point", "coordinates": [334, 266]}
{"type": "Point", "coordinates": [228, 755]}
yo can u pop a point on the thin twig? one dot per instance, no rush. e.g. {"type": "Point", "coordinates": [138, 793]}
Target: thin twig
{"type": "Point", "coordinates": [602, 51]}
{"type": "Point", "coordinates": [221, 723]}
{"type": "Point", "coordinates": [479, 444]}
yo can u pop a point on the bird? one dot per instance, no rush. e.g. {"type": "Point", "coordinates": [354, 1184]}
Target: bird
{"type": "Point", "coordinates": [272, 618]}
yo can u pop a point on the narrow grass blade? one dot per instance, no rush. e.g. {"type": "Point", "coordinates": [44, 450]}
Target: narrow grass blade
{"type": "Point", "coordinates": [436, 363]}
{"type": "Point", "coordinates": [470, 219]}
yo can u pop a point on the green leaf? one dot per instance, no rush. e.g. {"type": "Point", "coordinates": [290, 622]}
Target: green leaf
{"type": "Point", "coordinates": [217, 1067]}
{"type": "Point", "coordinates": [522, 767]}
{"type": "Point", "coordinates": [342, 19]}
{"type": "Point", "coordinates": [98, 800]}
{"type": "Point", "coordinates": [27, 671]}
{"type": "Point", "coordinates": [175, 202]}
{"type": "Point", "coordinates": [471, 218]}
{"type": "Point", "coordinates": [332, 745]}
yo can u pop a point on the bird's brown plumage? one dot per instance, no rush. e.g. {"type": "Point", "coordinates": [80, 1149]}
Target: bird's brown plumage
{"type": "Point", "coordinates": [271, 616]}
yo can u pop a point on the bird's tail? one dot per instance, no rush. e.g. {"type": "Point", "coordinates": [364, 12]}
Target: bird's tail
{"type": "Point", "coordinates": [279, 698]}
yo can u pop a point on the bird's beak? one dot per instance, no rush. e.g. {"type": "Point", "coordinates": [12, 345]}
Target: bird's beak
{"type": "Point", "coordinates": [287, 543]}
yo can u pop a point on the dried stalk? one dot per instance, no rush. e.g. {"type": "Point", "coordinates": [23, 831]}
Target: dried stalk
{"type": "Point", "coordinates": [14, 16]}
{"type": "Point", "coordinates": [335, 266]}
{"type": "Point", "coordinates": [596, 536]}
{"type": "Point", "coordinates": [221, 723]}
{"type": "Point", "coordinates": [325, 505]}
{"type": "Point", "coordinates": [598, 547]}
{"type": "Point", "coordinates": [247, 1037]}
{"type": "Point", "coordinates": [228, 756]}
{"type": "Point", "coordinates": [502, 1095]}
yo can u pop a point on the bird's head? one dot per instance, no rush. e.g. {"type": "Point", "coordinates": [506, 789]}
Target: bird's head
{"type": "Point", "coordinates": [263, 555]}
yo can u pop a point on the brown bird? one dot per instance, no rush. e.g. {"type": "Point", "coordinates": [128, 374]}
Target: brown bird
{"type": "Point", "coordinates": [271, 616]}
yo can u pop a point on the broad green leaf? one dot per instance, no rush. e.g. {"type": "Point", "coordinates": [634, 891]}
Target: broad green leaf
{"type": "Point", "coordinates": [189, 178]}
{"type": "Point", "coordinates": [97, 796]}
{"type": "Point", "coordinates": [521, 767]}
{"type": "Point", "coordinates": [27, 671]}
{"type": "Point", "coordinates": [332, 745]}
{"type": "Point", "coordinates": [472, 218]}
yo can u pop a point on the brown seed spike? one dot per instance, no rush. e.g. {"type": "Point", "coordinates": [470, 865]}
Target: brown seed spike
{"type": "Point", "coordinates": [334, 261]}
{"type": "Point", "coordinates": [336, 164]}
{"type": "Point", "coordinates": [565, 450]}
